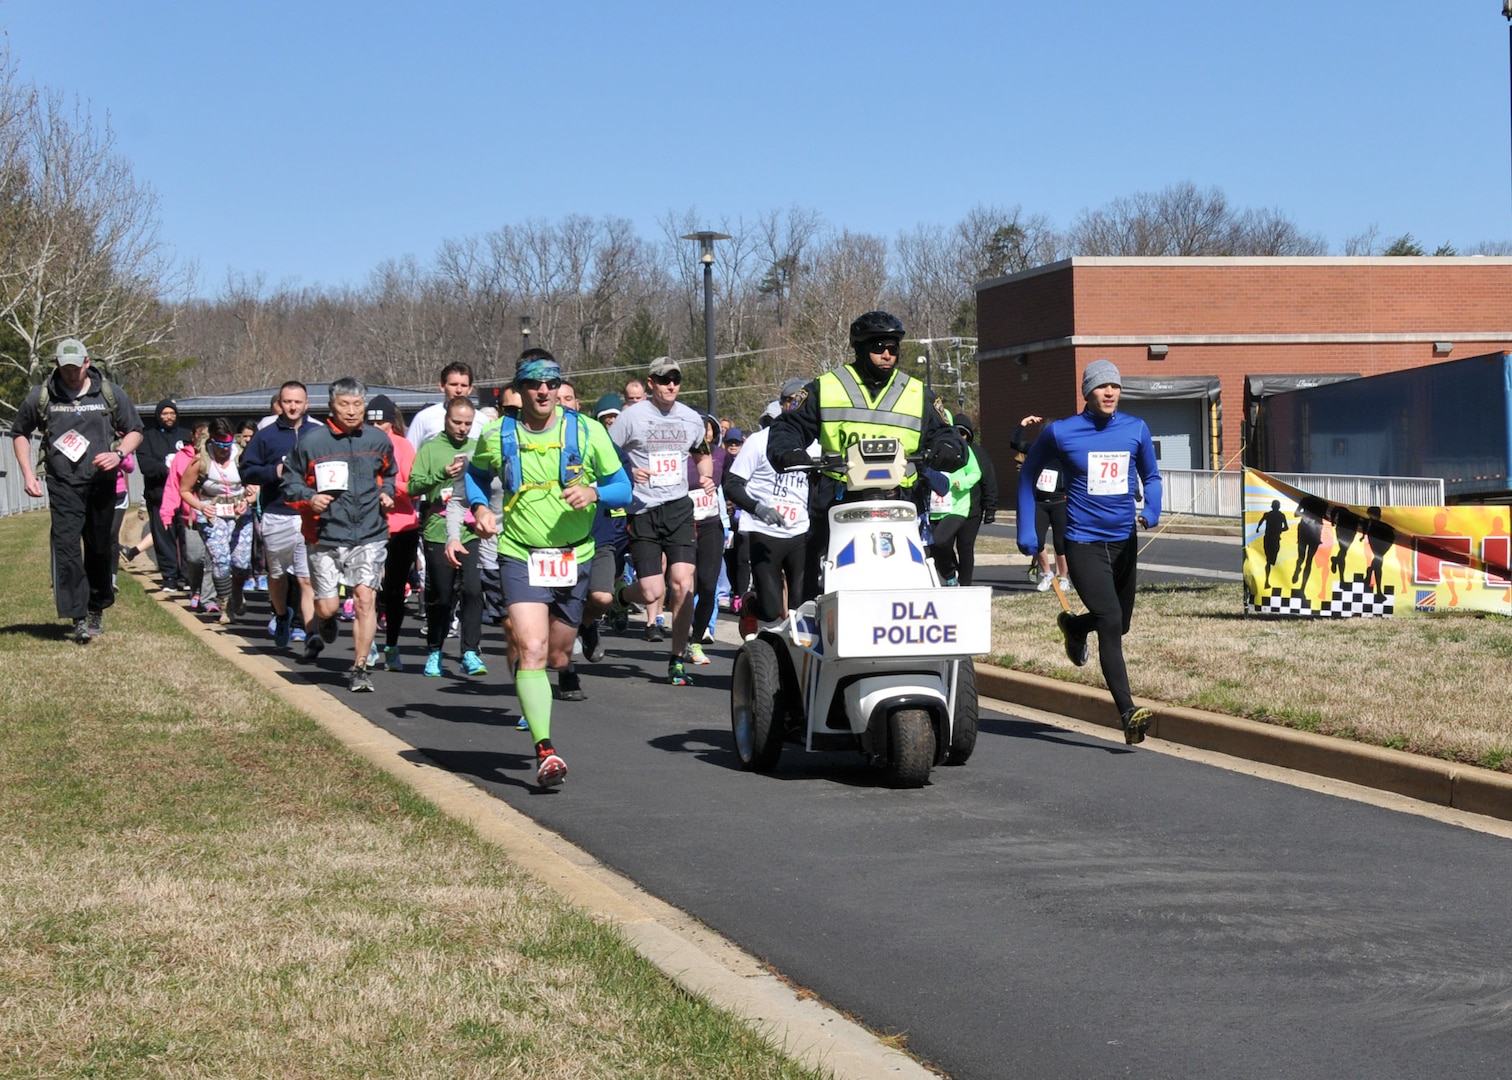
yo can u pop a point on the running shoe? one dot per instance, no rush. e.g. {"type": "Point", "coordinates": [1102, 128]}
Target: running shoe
{"type": "Point", "coordinates": [262, 582]}
{"type": "Point", "coordinates": [619, 612]}
{"type": "Point", "coordinates": [281, 630]}
{"type": "Point", "coordinates": [272, 625]}
{"type": "Point", "coordinates": [81, 634]}
{"type": "Point", "coordinates": [433, 664]}
{"type": "Point", "coordinates": [455, 629]}
{"type": "Point", "coordinates": [194, 602]}
{"type": "Point", "coordinates": [358, 681]}
{"type": "Point", "coordinates": [209, 607]}
{"type": "Point", "coordinates": [676, 675]}
{"type": "Point", "coordinates": [656, 630]}
{"type": "Point", "coordinates": [552, 770]}
{"type": "Point", "coordinates": [296, 634]}
{"type": "Point", "coordinates": [1035, 574]}
{"type": "Point", "coordinates": [95, 622]}
{"type": "Point", "coordinates": [472, 664]}
{"type": "Point", "coordinates": [329, 628]}
{"type": "Point", "coordinates": [375, 658]}
{"type": "Point", "coordinates": [1076, 644]}
{"type": "Point", "coordinates": [1065, 584]}
{"type": "Point", "coordinates": [238, 605]}
{"type": "Point", "coordinates": [1135, 723]}
{"type": "Point", "coordinates": [708, 638]}
{"type": "Point", "coordinates": [225, 614]}
{"type": "Point", "coordinates": [1046, 583]}
{"type": "Point", "coordinates": [695, 654]}
{"type": "Point", "coordinates": [522, 724]}
{"type": "Point", "coordinates": [570, 687]}
{"type": "Point", "coordinates": [313, 645]}
{"type": "Point", "coordinates": [593, 643]}
{"type": "Point", "coordinates": [391, 658]}
{"type": "Point", "coordinates": [348, 612]}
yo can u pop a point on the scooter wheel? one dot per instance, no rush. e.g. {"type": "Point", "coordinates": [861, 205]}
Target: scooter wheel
{"type": "Point", "coordinates": [963, 720]}
{"type": "Point", "coordinates": [756, 716]}
{"type": "Point", "coordinates": [910, 747]}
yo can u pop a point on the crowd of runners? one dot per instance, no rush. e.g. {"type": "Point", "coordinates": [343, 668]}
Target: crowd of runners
{"type": "Point", "coordinates": [551, 518]}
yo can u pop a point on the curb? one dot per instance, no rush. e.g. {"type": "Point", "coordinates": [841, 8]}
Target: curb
{"type": "Point", "coordinates": [1462, 787]}
{"type": "Point", "coordinates": [690, 954]}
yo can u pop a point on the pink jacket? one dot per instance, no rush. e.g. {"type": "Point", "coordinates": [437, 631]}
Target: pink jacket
{"type": "Point", "coordinates": [403, 516]}
{"type": "Point", "coordinates": [173, 499]}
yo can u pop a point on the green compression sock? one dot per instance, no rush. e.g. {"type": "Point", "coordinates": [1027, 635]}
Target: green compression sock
{"type": "Point", "coordinates": [533, 688]}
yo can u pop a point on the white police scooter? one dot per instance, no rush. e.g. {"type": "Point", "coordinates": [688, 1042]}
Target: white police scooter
{"type": "Point", "coordinates": [881, 661]}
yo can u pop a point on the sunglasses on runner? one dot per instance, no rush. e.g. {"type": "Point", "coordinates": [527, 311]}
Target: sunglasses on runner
{"type": "Point", "coordinates": [668, 380]}
{"type": "Point", "coordinates": [536, 384]}
{"type": "Point", "coordinates": [877, 348]}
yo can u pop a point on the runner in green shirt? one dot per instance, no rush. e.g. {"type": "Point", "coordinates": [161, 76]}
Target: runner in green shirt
{"type": "Point", "coordinates": [451, 569]}
{"type": "Point", "coordinates": [555, 466]}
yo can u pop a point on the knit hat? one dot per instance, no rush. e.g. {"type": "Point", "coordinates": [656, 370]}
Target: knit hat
{"type": "Point", "coordinates": [607, 403]}
{"type": "Point", "coordinates": [1099, 373]}
{"type": "Point", "coordinates": [381, 408]}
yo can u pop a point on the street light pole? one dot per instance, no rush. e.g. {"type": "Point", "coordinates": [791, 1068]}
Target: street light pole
{"type": "Point", "coordinates": [706, 256]}
{"type": "Point", "coordinates": [1507, 13]}
{"type": "Point", "coordinates": [524, 332]}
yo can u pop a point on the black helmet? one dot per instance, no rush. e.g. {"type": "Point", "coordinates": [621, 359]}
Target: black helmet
{"type": "Point", "coordinates": [873, 325]}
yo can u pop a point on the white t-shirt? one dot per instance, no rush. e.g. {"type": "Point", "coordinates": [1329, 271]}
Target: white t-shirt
{"type": "Point", "coordinates": [431, 419]}
{"type": "Point", "coordinates": [658, 442]}
{"type": "Point", "coordinates": [787, 491]}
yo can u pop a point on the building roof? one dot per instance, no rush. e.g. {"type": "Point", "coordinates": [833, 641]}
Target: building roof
{"type": "Point", "coordinates": [253, 404]}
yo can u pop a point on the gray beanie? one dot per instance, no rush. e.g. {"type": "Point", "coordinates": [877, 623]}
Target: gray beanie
{"type": "Point", "coordinates": [1099, 373]}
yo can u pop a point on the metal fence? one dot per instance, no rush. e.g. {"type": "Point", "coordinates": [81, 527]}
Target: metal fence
{"type": "Point", "coordinates": [13, 496]}
{"type": "Point", "coordinates": [1221, 494]}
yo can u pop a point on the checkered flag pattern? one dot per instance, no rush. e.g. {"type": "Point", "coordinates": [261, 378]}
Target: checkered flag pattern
{"type": "Point", "coordinates": [1348, 600]}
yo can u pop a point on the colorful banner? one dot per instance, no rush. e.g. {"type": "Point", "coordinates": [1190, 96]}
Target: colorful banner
{"type": "Point", "coordinates": [1306, 556]}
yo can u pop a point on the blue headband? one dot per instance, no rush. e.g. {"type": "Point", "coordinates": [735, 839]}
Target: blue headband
{"type": "Point", "coordinates": [537, 370]}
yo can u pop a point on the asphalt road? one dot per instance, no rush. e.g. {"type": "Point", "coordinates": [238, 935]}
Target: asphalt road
{"type": "Point", "coordinates": [1061, 906]}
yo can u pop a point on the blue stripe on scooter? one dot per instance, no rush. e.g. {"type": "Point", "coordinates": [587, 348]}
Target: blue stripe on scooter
{"type": "Point", "coordinates": [847, 555]}
{"type": "Point", "coordinates": [918, 556]}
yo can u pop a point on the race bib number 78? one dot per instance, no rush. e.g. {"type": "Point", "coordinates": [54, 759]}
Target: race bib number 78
{"type": "Point", "coordinates": [1108, 472]}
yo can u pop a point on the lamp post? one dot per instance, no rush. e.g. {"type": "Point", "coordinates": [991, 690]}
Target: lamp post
{"type": "Point", "coordinates": [1507, 12]}
{"type": "Point", "coordinates": [524, 332]}
{"type": "Point", "coordinates": [706, 256]}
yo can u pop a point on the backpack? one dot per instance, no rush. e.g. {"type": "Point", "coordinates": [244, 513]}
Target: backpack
{"type": "Point", "coordinates": [571, 457]}
{"type": "Point", "coordinates": [106, 391]}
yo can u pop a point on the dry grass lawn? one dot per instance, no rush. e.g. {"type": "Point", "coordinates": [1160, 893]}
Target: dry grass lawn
{"type": "Point", "coordinates": [1430, 684]}
{"type": "Point", "coordinates": [195, 881]}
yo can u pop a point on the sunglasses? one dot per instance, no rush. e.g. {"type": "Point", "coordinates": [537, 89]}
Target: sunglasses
{"type": "Point", "coordinates": [536, 384]}
{"type": "Point", "coordinates": [877, 348]}
{"type": "Point", "coordinates": [668, 380]}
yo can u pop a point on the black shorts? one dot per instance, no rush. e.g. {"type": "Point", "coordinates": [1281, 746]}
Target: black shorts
{"type": "Point", "coordinates": [667, 530]}
{"type": "Point", "coordinates": [565, 602]}
{"type": "Point", "coordinates": [608, 567]}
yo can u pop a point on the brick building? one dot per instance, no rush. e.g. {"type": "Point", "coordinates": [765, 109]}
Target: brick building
{"type": "Point", "coordinates": [1192, 337]}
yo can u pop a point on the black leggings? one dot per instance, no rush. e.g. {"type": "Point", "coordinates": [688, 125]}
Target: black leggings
{"type": "Point", "coordinates": [402, 548]}
{"type": "Point", "coordinates": [709, 552]}
{"type": "Point", "coordinates": [443, 582]}
{"type": "Point", "coordinates": [773, 560]}
{"type": "Point", "coordinates": [1104, 576]}
{"type": "Point", "coordinates": [954, 547]}
{"type": "Point", "coordinates": [1050, 514]}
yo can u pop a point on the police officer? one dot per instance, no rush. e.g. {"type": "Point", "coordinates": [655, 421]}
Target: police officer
{"type": "Point", "coordinates": [79, 414]}
{"type": "Point", "coordinates": [869, 398]}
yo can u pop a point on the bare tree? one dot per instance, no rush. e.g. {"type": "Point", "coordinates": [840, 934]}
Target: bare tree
{"type": "Point", "coordinates": [81, 255]}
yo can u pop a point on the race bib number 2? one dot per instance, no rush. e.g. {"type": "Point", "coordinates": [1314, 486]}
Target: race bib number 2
{"type": "Point", "coordinates": [1108, 472]}
{"type": "Point", "coordinates": [553, 568]}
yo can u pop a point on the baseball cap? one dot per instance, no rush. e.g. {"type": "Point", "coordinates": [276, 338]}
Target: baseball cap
{"type": "Point", "coordinates": [72, 353]}
{"type": "Point", "coordinates": [381, 408]}
{"type": "Point", "coordinates": [664, 365]}
{"type": "Point", "coordinates": [734, 435]}
{"type": "Point", "coordinates": [792, 386]}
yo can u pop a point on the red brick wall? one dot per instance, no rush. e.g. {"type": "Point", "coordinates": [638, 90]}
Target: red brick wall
{"type": "Point", "coordinates": [1156, 300]}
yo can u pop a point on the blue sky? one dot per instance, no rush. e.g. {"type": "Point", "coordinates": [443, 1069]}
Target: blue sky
{"type": "Point", "coordinates": [310, 141]}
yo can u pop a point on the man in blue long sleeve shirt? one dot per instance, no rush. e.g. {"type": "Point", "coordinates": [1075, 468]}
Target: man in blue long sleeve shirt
{"type": "Point", "coordinates": [1097, 452]}
{"type": "Point", "coordinates": [262, 463]}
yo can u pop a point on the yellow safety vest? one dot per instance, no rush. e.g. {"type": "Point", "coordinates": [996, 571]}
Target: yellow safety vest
{"type": "Point", "coordinates": [848, 414]}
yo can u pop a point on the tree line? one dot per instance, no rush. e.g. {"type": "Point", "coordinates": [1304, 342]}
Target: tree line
{"type": "Point", "coordinates": [80, 256]}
